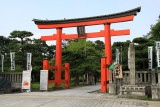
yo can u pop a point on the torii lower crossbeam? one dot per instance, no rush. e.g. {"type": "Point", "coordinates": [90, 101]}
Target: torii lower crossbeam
{"type": "Point", "coordinates": [88, 35]}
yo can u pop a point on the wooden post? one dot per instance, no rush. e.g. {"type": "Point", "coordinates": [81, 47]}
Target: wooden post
{"type": "Point", "coordinates": [45, 64]}
{"type": "Point", "coordinates": [67, 78]}
{"type": "Point", "coordinates": [103, 74]}
{"type": "Point", "coordinates": [58, 61]}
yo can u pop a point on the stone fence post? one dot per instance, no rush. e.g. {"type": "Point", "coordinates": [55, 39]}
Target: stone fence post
{"type": "Point", "coordinates": [132, 64]}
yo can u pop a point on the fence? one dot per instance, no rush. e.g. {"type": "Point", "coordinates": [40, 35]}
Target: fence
{"type": "Point", "coordinates": [142, 78]}
{"type": "Point", "coordinates": [14, 77]}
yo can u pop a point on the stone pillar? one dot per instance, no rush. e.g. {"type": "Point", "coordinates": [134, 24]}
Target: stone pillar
{"type": "Point", "coordinates": [112, 85]}
{"type": "Point", "coordinates": [153, 77]}
{"type": "Point", "coordinates": [110, 77]}
{"type": "Point", "coordinates": [132, 64]}
{"type": "Point", "coordinates": [158, 77]}
{"type": "Point", "coordinates": [155, 87]}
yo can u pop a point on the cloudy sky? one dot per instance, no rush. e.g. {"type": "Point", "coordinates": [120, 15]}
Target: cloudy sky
{"type": "Point", "coordinates": [18, 15]}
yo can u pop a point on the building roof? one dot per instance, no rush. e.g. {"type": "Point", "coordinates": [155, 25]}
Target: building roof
{"type": "Point", "coordinates": [94, 18]}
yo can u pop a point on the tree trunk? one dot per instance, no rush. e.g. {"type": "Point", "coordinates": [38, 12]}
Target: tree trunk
{"type": "Point", "coordinates": [23, 62]}
{"type": "Point", "coordinates": [77, 80]}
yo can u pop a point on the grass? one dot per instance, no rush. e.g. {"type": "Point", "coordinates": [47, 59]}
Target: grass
{"type": "Point", "coordinates": [36, 86]}
{"type": "Point", "coordinates": [148, 99]}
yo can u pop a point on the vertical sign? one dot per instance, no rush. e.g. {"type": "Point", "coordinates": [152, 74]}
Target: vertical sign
{"type": "Point", "coordinates": [26, 80]}
{"type": "Point", "coordinates": [117, 71]}
{"type": "Point", "coordinates": [12, 55]}
{"type": "Point", "coordinates": [2, 60]}
{"type": "Point", "coordinates": [150, 54]}
{"type": "Point", "coordinates": [158, 57]}
{"type": "Point", "coordinates": [81, 31]}
{"type": "Point", "coordinates": [158, 53]}
{"type": "Point", "coordinates": [29, 58]}
{"type": "Point", "coordinates": [117, 56]}
{"type": "Point", "coordinates": [44, 80]}
{"type": "Point", "coordinates": [129, 58]}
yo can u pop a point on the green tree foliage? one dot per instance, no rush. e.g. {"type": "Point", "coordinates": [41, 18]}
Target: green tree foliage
{"type": "Point", "coordinates": [124, 47]}
{"type": "Point", "coordinates": [99, 45]}
{"type": "Point", "coordinates": [4, 42]}
{"type": "Point", "coordinates": [142, 47]}
{"type": "Point", "coordinates": [141, 53]}
{"type": "Point", "coordinates": [155, 31]}
{"type": "Point", "coordinates": [38, 48]}
{"type": "Point", "coordinates": [23, 36]}
{"type": "Point", "coordinates": [81, 63]}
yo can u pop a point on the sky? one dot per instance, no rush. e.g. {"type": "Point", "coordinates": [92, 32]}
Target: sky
{"type": "Point", "coordinates": [18, 15]}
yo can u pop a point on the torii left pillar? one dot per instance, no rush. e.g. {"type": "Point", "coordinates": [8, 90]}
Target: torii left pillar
{"type": "Point", "coordinates": [58, 61]}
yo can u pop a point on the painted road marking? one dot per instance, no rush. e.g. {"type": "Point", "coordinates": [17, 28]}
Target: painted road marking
{"type": "Point", "coordinates": [39, 97]}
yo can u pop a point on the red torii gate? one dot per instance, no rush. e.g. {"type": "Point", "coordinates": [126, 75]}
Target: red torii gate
{"type": "Point", "coordinates": [88, 21]}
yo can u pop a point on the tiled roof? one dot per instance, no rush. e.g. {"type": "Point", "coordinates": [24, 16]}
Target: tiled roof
{"type": "Point", "coordinates": [102, 17]}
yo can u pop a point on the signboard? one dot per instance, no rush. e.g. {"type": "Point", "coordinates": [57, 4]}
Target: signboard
{"type": "Point", "coordinates": [26, 80]}
{"type": "Point", "coordinates": [81, 31]}
{"type": "Point", "coordinates": [117, 71]}
{"type": "Point", "coordinates": [150, 55]}
{"type": "Point", "coordinates": [44, 80]}
{"type": "Point", "coordinates": [158, 57]}
{"type": "Point", "coordinates": [29, 58]}
{"type": "Point", "coordinates": [158, 53]}
{"type": "Point", "coordinates": [12, 55]}
{"type": "Point", "coordinates": [117, 56]}
{"type": "Point", "coordinates": [2, 60]}
{"type": "Point", "coordinates": [129, 58]}
{"type": "Point", "coordinates": [157, 44]}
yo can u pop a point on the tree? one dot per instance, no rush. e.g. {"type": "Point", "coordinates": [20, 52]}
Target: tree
{"type": "Point", "coordinates": [99, 45]}
{"type": "Point", "coordinates": [124, 53]}
{"type": "Point", "coordinates": [141, 52]}
{"type": "Point", "coordinates": [22, 35]}
{"type": "Point", "coordinates": [80, 62]}
{"type": "Point", "coordinates": [4, 42]}
{"type": "Point", "coordinates": [39, 50]}
{"type": "Point", "coordinates": [155, 31]}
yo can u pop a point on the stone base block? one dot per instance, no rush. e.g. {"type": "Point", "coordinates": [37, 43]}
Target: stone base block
{"type": "Point", "coordinates": [112, 89]}
{"type": "Point", "coordinates": [155, 92]}
{"type": "Point", "coordinates": [15, 85]}
{"type": "Point", "coordinates": [133, 91]}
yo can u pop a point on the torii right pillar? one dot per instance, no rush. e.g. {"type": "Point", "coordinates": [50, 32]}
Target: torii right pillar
{"type": "Point", "coordinates": [108, 51]}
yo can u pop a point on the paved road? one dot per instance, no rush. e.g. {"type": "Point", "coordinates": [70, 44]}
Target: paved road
{"type": "Point", "coordinates": [77, 97]}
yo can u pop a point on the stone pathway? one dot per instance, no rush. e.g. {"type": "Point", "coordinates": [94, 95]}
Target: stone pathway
{"type": "Point", "coordinates": [77, 97]}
